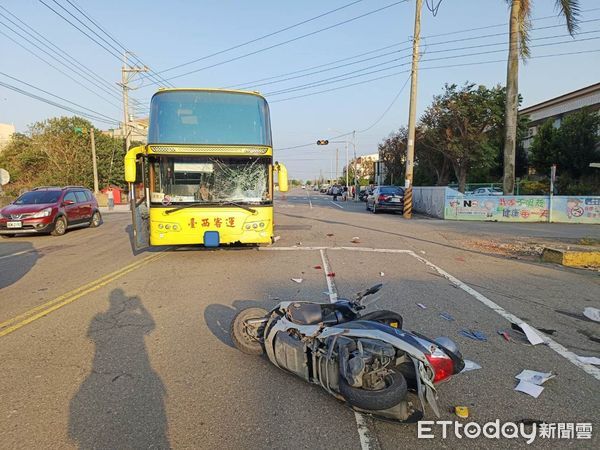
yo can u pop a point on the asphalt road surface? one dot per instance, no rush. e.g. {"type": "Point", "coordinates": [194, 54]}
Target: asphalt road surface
{"type": "Point", "coordinates": [104, 348]}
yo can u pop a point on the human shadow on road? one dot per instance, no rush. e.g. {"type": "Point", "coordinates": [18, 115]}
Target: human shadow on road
{"type": "Point", "coordinates": [218, 317]}
{"type": "Point", "coordinates": [17, 258]}
{"type": "Point", "coordinates": [121, 403]}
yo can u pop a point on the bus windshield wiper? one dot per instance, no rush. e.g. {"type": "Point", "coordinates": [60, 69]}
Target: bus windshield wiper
{"type": "Point", "coordinates": [223, 202]}
{"type": "Point", "coordinates": [229, 202]}
{"type": "Point", "coordinates": [189, 205]}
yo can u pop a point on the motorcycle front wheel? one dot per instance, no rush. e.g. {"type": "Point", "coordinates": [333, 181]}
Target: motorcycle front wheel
{"type": "Point", "coordinates": [241, 334]}
{"type": "Point", "coordinates": [394, 392]}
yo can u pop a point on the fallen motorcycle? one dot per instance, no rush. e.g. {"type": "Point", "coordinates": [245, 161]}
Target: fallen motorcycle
{"type": "Point", "coordinates": [367, 360]}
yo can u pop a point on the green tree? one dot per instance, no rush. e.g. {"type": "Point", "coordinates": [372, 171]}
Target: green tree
{"type": "Point", "coordinates": [392, 152]}
{"type": "Point", "coordinates": [57, 152]}
{"type": "Point", "coordinates": [459, 124]}
{"type": "Point", "coordinates": [520, 24]}
{"type": "Point", "coordinates": [572, 146]}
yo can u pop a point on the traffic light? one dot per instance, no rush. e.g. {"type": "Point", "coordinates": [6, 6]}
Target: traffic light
{"type": "Point", "coordinates": [322, 142]}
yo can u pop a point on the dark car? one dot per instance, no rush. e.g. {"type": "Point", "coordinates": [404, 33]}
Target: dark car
{"type": "Point", "coordinates": [364, 194]}
{"type": "Point", "coordinates": [50, 210]}
{"type": "Point", "coordinates": [386, 198]}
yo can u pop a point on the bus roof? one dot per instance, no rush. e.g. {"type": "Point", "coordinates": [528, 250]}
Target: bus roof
{"type": "Point", "coordinates": [235, 91]}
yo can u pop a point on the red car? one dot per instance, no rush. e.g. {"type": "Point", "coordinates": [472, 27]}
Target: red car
{"type": "Point", "coordinates": [50, 210]}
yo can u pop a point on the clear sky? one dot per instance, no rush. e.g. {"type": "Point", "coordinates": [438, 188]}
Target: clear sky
{"type": "Point", "coordinates": [166, 34]}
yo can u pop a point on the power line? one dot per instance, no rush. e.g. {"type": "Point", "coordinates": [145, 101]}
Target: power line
{"type": "Point", "coordinates": [255, 83]}
{"type": "Point", "coordinates": [286, 42]}
{"type": "Point", "coordinates": [343, 77]}
{"type": "Point", "coordinates": [49, 43]}
{"type": "Point", "coordinates": [57, 69]}
{"type": "Point", "coordinates": [58, 105]}
{"type": "Point", "coordinates": [157, 78]}
{"type": "Point", "coordinates": [262, 37]}
{"type": "Point", "coordinates": [58, 97]}
{"type": "Point", "coordinates": [423, 68]}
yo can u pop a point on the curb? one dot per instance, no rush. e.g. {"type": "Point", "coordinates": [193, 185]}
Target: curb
{"type": "Point", "coordinates": [571, 258]}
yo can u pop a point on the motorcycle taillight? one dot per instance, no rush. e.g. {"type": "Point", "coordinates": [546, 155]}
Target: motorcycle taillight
{"type": "Point", "coordinates": [442, 366]}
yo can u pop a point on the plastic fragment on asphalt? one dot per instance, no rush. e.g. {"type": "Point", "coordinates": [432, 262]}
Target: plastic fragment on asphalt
{"type": "Point", "coordinates": [422, 252]}
{"type": "Point", "coordinates": [504, 334]}
{"type": "Point", "coordinates": [381, 274]}
{"type": "Point", "coordinates": [355, 240]}
{"type": "Point", "coordinates": [470, 365]}
{"type": "Point", "coordinates": [318, 267]}
{"type": "Point", "coordinates": [534, 377]}
{"type": "Point", "coordinates": [532, 336]}
{"type": "Point", "coordinates": [461, 411]}
{"type": "Point", "coordinates": [592, 313]}
{"type": "Point", "coordinates": [421, 305]}
{"type": "Point", "coordinates": [330, 234]}
{"type": "Point", "coordinates": [589, 360]}
{"type": "Point", "coordinates": [529, 388]}
{"type": "Point", "coordinates": [331, 274]}
{"type": "Point", "coordinates": [276, 238]}
{"type": "Point", "coordinates": [447, 317]}
{"type": "Point", "coordinates": [297, 280]}
{"type": "Point", "coordinates": [473, 334]}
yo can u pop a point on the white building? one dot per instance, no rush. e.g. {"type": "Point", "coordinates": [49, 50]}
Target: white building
{"type": "Point", "coordinates": [6, 132]}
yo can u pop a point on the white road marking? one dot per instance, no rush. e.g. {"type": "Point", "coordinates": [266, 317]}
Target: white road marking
{"type": "Point", "coordinates": [309, 201]}
{"type": "Point", "coordinates": [368, 440]}
{"type": "Point", "coordinates": [336, 204]}
{"type": "Point", "coordinates": [17, 254]}
{"type": "Point", "coordinates": [558, 348]}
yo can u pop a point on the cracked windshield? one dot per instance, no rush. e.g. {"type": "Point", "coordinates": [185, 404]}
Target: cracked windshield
{"type": "Point", "coordinates": [209, 179]}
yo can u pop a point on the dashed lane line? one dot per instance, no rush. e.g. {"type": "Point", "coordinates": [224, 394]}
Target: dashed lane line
{"type": "Point", "coordinates": [368, 440]}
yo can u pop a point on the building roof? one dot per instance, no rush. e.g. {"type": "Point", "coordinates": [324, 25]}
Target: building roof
{"type": "Point", "coordinates": [571, 101]}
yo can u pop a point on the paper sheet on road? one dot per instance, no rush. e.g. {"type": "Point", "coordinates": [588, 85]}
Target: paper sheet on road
{"type": "Point", "coordinates": [470, 365]}
{"type": "Point", "coordinates": [529, 388]}
{"type": "Point", "coordinates": [532, 336]}
{"type": "Point", "coordinates": [535, 377]}
{"type": "Point", "coordinates": [592, 313]}
{"type": "Point", "coordinates": [589, 360]}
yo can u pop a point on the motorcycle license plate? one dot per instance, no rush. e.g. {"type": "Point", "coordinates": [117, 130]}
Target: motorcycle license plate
{"type": "Point", "coordinates": [16, 224]}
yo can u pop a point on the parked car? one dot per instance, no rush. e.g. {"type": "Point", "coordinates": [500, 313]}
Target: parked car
{"type": "Point", "coordinates": [386, 198]}
{"type": "Point", "coordinates": [50, 210]}
{"type": "Point", "coordinates": [487, 191]}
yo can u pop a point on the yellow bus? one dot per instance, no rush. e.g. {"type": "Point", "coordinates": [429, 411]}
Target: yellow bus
{"type": "Point", "coordinates": [206, 175]}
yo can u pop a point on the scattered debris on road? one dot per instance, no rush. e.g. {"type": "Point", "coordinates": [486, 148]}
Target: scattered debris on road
{"type": "Point", "coordinates": [592, 313]}
{"type": "Point", "coordinates": [470, 365]}
{"type": "Point", "coordinates": [504, 334]}
{"type": "Point", "coordinates": [421, 305]}
{"type": "Point", "coordinates": [297, 280]}
{"type": "Point", "coordinates": [532, 336]}
{"type": "Point", "coordinates": [331, 274]}
{"type": "Point", "coordinates": [330, 234]}
{"type": "Point", "coordinates": [318, 267]}
{"type": "Point", "coordinates": [381, 274]}
{"type": "Point", "coordinates": [474, 334]}
{"type": "Point", "coordinates": [276, 238]}
{"type": "Point", "coordinates": [530, 382]}
{"type": "Point", "coordinates": [461, 411]}
{"type": "Point", "coordinates": [589, 360]}
{"type": "Point", "coordinates": [446, 316]}
{"type": "Point", "coordinates": [355, 240]}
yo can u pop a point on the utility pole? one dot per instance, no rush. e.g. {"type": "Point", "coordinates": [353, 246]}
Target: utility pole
{"type": "Point", "coordinates": [337, 155]}
{"type": "Point", "coordinates": [126, 72]}
{"type": "Point", "coordinates": [412, 115]}
{"type": "Point", "coordinates": [356, 187]}
{"type": "Point", "coordinates": [94, 165]}
{"type": "Point", "coordinates": [347, 166]}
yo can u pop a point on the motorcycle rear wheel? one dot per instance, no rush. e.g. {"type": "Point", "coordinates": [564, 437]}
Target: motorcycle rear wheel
{"type": "Point", "coordinates": [243, 341]}
{"type": "Point", "coordinates": [388, 397]}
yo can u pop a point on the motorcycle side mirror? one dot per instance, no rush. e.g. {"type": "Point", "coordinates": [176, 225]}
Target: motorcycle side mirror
{"type": "Point", "coordinates": [373, 289]}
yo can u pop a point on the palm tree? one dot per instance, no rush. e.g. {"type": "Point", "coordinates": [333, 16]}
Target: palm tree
{"type": "Point", "coordinates": [520, 24]}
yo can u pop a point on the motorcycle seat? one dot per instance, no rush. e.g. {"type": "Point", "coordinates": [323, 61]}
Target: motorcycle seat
{"type": "Point", "coordinates": [305, 313]}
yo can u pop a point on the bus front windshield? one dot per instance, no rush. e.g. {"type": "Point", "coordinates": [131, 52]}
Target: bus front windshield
{"type": "Point", "coordinates": [209, 118]}
{"type": "Point", "coordinates": [209, 179]}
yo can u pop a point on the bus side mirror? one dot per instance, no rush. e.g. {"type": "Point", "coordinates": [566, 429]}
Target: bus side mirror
{"type": "Point", "coordinates": [282, 177]}
{"type": "Point", "coordinates": [130, 165]}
